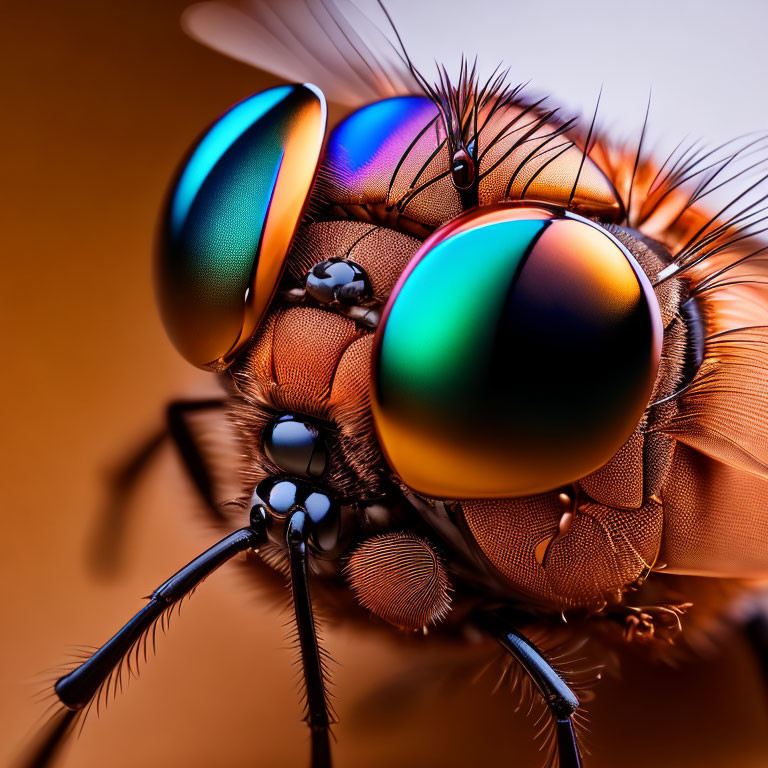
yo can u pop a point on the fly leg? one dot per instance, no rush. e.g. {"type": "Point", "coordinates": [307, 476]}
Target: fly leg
{"type": "Point", "coordinates": [50, 743]}
{"type": "Point", "coordinates": [318, 717]}
{"type": "Point", "coordinates": [756, 628]}
{"type": "Point", "coordinates": [177, 416]}
{"type": "Point", "coordinates": [310, 522]}
{"type": "Point", "coordinates": [560, 699]}
{"type": "Point", "coordinates": [100, 675]}
{"type": "Point", "coordinates": [104, 549]}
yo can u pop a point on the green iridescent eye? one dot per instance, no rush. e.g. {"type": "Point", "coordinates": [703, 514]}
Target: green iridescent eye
{"type": "Point", "coordinates": [230, 219]}
{"type": "Point", "coordinates": [516, 354]}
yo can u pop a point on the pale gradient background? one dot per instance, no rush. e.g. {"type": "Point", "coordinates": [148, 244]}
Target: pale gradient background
{"type": "Point", "coordinates": [99, 101]}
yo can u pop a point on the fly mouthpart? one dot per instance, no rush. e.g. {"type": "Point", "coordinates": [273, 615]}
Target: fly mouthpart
{"type": "Point", "coordinates": [280, 497]}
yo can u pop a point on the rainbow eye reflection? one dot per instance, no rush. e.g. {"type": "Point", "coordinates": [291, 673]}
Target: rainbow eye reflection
{"type": "Point", "coordinates": [230, 220]}
{"type": "Point", "coordinates": [516, 354]}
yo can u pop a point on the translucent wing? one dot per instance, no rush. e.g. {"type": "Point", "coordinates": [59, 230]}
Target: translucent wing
{"type": "Point", "coordinates": [332, 43]}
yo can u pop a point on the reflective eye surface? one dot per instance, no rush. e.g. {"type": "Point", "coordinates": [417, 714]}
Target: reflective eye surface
{"type": "Point", "coordinates": [516, 354]}
{"type": "Point", "coordinates": [366, 142]}
{"type": "Point", "coordinates": [296, 446]}
{"type": "Point", "coordinates": [230, 219]}
{"type": "Point", "coordinates": [338, 279]}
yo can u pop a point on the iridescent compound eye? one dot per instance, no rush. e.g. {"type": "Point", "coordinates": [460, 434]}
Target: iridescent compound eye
{"type": "Point", "coordinates": [516, 354]}
{"type": "Point", "coordinates": [230, 219]}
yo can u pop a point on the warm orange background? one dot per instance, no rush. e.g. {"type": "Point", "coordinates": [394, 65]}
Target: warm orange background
{"type": "Point", "coordinates": [100, 99]}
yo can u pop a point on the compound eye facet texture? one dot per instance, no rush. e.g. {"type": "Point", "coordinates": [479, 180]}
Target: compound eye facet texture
{"type": "Point", "coordinates": [230, 218]}
{"type": "Point", "coordinates": [516, 354]}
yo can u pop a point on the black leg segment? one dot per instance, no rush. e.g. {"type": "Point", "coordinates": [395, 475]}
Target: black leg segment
{"type": "Point", "coordinates": [318, 718]}
{"type": "Point", "coordinates": [560, 699]}
{"type": "Point", "coordinates": [78, 688]}
{"type": "Point", "coordinates": [756, 629]}
{"type": "Point", "coordinates": [50, 743]}
{"type": "Point", "coordinates": [177, 414]}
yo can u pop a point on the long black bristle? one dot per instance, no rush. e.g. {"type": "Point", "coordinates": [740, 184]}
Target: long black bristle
{"type": "Point", "coordinates": [628, 206]}
{"type": "Point", "coordinates": [586, 149]}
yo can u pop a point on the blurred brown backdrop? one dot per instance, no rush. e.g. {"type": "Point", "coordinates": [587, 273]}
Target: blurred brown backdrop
{"type": "Point", "coordinates": [99, 102]}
